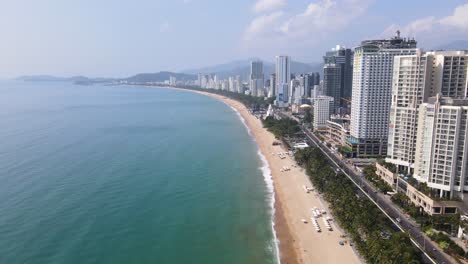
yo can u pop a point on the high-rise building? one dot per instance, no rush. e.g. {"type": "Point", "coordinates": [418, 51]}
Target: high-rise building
{"type": "Point", "coordinates": [283, 79]}
{"type": "Point", "coordinates": [371, 93]}
{"type": "Point", "coordinates": [272, 85]}
{"type": "Point", "coordinates": [199, 80]}
{"type": "Point", "coordinates": [225, 85]}
{"type": "Point", "coordinates": [338, 75]}
{"type": "Point", "coordinates": [231, 84]}
{"type": "Point", "coordinates": [317, 91]}
{"type": "Point", "coordinates": [415, 79]}
{"type": "Point", "coordinates": [321, 111]}
{"type": "Point", "coordinates": [309, 81]}
{"type": "Point", "coordinates": [295, 91]}
{"type": "Point", "coordinates": [451, 73]}
{"type": "Point", "coordinates": [441, 158]}
{"type": "Point", "coordinates": [256, 78]}
{"type": "Point", "coordinates": [172, 80]}
{"type": "Point", "coordinates": [410, 88]}
{"type": "Point", "coordinates": [239, 88]}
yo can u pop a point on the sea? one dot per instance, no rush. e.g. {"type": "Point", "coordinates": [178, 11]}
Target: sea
{"type": "Point", "coordinates": [129, 174]}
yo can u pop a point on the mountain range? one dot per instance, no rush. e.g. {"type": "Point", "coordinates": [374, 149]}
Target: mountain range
{"type": "Point", "coordinates": [160, 77]}
{"type": "Point", "coordinates": [223, 71]}
{"type": "Point", "coordinates": [242, 68]}
{"type": "Point", "coordinates": [239, 67]}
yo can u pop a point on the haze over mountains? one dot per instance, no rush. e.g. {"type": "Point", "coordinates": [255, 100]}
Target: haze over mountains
{"type": "Point", "coordinates": [223, 71]}
{"type": "Point", "coordinates": [239, 67]}
{"type": "Point", "coordinates": [242, 68]}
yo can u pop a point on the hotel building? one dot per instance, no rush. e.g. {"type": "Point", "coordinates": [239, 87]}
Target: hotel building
{"type": "Point", "coordinates": [371, 93]}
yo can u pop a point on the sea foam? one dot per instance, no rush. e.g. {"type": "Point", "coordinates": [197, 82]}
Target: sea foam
{"type": "Point", "coordinates": [266, 172]}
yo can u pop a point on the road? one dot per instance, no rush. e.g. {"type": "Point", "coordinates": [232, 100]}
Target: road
{"type": "Point", "coordinates": [419, 239]}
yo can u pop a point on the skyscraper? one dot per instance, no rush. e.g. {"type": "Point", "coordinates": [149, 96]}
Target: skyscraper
{"type": "Point", "coordinates": [410, 88]}
{"type": "Point", "coordinates": [238, 85]}
{"type": "Point", "coordinates": [415, 79]}
{"type": "Point", "coordinates": [272, 85]}
{"type": "Point", "coordinates": [338, 75]}
{"type": "Point", "coordinates": [441, 156]}
{"type": "Point", "coordinates": [310, 80]}
{"type": "Point", "coordinates": [283, 79]}
{"type": "Point", "coordinates": [199, 79]}
{"type": "Point", "coordinates": [321, 110]}
{"type": "Point", "coordinates": [256, 78]}
{"type": "Point", "coordinates": [371, 93]}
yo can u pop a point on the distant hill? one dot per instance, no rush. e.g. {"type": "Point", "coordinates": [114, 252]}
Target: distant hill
{"type": "Point", "coordinates": [454, 45]}
{"type": "Point", "coordinates": [139, 78]}
{"type": "Point", "coordinates": [242, 68]}
{"type": "Point", "coordinates": [159, 77]}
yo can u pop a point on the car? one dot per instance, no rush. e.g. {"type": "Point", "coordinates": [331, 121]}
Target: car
{"type": "Point", "coordinates": [398, 219]}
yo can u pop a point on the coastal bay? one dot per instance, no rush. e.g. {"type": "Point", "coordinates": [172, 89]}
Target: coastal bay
{"type": "Point", "coordinates": [128, 174]}
{"type": "Point", "coordinates": [298, 242]}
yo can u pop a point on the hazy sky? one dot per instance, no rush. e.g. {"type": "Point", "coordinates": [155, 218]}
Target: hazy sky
{"type": "Point", "coordinates": [117, 38]}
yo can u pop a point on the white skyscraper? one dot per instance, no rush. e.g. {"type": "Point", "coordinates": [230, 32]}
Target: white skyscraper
{"type": "Point", "coordinates": [321, 109]}
{"type": "Point", "coordinates": [231, 84]}
{"type": "Point", "coordinates": [371, 92]}
{"type": "Point", "coordinates": [410, 88]}
{"type": "Point", "coordinates": [415, 79]}
{"type": "Point", "coordinates": [283, 79]}
{"type": "Point", "coordinates": [441, 147]}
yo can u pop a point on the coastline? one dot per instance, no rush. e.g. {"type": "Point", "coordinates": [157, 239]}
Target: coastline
{"type": "Point", "coordinates": [298, 242]}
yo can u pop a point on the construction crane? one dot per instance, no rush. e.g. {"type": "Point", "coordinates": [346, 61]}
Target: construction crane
{"type": "Point", "coordinates": [346, 100]}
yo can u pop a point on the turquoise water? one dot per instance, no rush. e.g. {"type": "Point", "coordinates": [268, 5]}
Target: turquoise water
{"type": "Point", "coordinates": [100, 174]}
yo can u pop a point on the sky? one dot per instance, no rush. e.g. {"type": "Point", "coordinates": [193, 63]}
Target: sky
{"type": "Point", "coordinates": [119, 38]}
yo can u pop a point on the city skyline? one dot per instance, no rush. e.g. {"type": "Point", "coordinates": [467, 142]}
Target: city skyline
{"type": "Point", "coordinates": [103, 40]}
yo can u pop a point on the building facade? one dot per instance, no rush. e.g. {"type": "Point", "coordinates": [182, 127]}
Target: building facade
{"type": "Point", "coordinates": [337, 131]}
{"type": "Point", "coordinates": [337, 76]}
{"type": "Point", "coordinates": [441, 158]}
{"type": "Point", "coordinates": [273, 85]}
{"type": "Point", "coordinates": [283, 79]}
{"type": "Point", "coordinates": [372, 90]}
{"type": "Point", "coordinates": [256, 78]}
{"type": "Point", "coordinates": [321, 111]}
{"type": "Point", "coordinates": [411, 86]}
{"type": "Point", "coordinates": [415, 79]}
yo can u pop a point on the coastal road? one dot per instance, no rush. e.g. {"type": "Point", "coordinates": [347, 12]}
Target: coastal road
{"type": "Point", "coordinates": [431, 253]}
{"type": "Point", "coordinates": [386, 206]}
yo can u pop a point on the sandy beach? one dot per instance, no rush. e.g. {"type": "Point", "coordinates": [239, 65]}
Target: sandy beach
{"type": "Point", "coordinates": [299, 242]}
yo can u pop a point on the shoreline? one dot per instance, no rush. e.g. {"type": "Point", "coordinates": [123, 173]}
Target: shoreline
{"type": "Point", "coordinates": [298, 242]}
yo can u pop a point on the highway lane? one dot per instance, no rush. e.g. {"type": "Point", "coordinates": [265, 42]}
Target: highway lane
{"type": "Point", "coordinates": [385, 205]}
{"type": "Point", "coordinates": [431, 252]}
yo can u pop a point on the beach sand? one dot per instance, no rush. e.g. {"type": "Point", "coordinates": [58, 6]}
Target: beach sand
{"type": "Point", "coordinates": [299, 242]}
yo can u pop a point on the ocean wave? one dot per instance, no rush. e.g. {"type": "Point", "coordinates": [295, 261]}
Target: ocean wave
{"type": "Point", "coordinates": [266, 172]}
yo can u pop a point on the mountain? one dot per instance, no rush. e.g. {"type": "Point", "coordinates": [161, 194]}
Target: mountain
{"type": "Point", "coordinates": [82, 80]}
{"type": "Point", "coordinates": [242, 68]}
{"type": "Point", "coordinates": [237, 64]}
{"type": "Point", "coordinates": [454, 45]}
{"type": "Point", "coordinates": [159, 77]}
